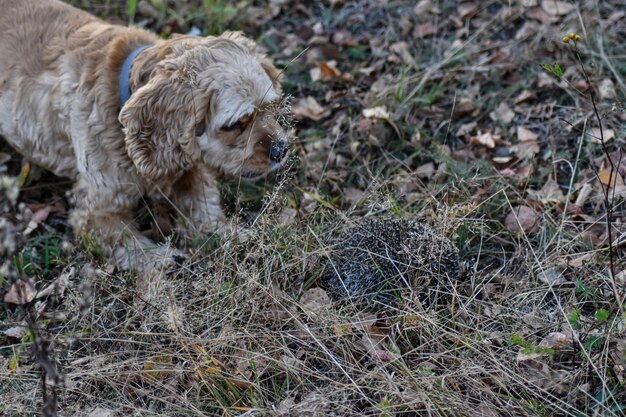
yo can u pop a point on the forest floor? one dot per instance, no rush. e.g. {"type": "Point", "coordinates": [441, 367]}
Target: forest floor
{"type": "Point", "coordinates": [483, 119]}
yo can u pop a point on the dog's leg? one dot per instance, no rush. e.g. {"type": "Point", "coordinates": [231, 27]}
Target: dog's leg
{"type": "Point", "coordinates": [197, 197]}
{"type": "Point", "coordinates": [105, 213]}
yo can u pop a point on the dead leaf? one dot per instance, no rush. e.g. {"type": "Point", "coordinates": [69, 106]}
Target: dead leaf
{"type": "Point", "coordinates": [528, 29]}
{"type": "Point", "coordinates": [525, 150]}
{"type": "Point", "coordinates": [485, 139]}
{"type": "Point", "coordinates": [38, 217]}
{"type": "Point", "coordinates": [596, 135]}
{"type": "Point", "coordinates": [344, 38]}
{"type": "Point", "coordinates": [550, 193]}
{"type": "Point", "coordinates": [525, 135]}
{"type": "Point", "coordinates": [539, 14]}
{"type": "Point", "coordinates": [466, 129]}
{"type": "Point", "coordinates": [552, 276]}
{"type": "Point", "coordinates": [424, 30]}
{"type": "Point", "coordinates": [609, 178]}
{"type": "Point", "coordinates": [325, 71]}
{"type": "Point", "coordinates": [309, 108]}
{"type": "Point", "coordinates": [467, 9]}
{"type": "Point", "coordinates": [375, 347]}
{"type": "Point", "coordinates": [365, 322]}
{"type": "Point", "coordinates": [583, 194]}
{"type": "Point", "coordinates": [16, 332]}
{"type": "Point", "coordinates": [402, 50]}
{"type": "Point", "coordinates": [101, 412]}
{"type": "Point", "coordinates": [58, 286]}
{"type": "Point", "coordinates": [520, 172]}
{"type": "Point", "coordinates": [502, 113]}
{"type": "Point", "coordinates": [521, 218]}
{"type": "Point", "coordinates": [287, 216]}
{"type": "Point", "coordinates": [353, 195]}
{"type": "Point", "coordinates": [524, 96]}
{"type": "Point", "coordinates": [606, 89]}
{"type": "Point", "coordinates": [425, 171]}
{"type": "Point", "coordinates": [501, 160]}
{"type": "Point", "coordinates": [556, 340]}
{"type": "Point", "coordinates": [314, 302]}
{"type": "Point", "coordinates": [379, 112]}
{"type": "Point", "coordinates": [579, 261]}
{"type": "Point", "coordinates": [556, 8]}
{"type": "Point", "coordinates": [425, 6]}
{"type": "Point", "coordinates": [21, 292]}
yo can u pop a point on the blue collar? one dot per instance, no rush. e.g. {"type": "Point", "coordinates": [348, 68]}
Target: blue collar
{"type": "Point", "coordinates": [125, 74]}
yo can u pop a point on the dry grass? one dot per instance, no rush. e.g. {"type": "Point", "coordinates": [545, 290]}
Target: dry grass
{"type": "Point", "coordinates": [242, 328]}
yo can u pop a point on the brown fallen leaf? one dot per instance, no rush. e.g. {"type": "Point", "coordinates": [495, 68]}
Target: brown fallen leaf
{"type": "Point", "coordinates": [525, 135]}
{"type": "Point", "coordinates": [344, 38]}
{"type": "Point", "coordinates": [353, 195]}
{"type": "Point", "coordinates": [486, 139]}
{"type": "Point", "coordinates": [379, 112]}
{"type": "Point", "coordinates": [606, 89]}
{"type": "Point", "coordinates": [539, 14]}
{"type": "Point", "coordinates": [550, 193]}
{"type": "Point", "coordinates": [309, 108]}
{"type": "Point", "coordinates": [102, 412]}
{"type": "Point", "coordinates": [16, 332]}
{"type": "Point", "coordinates": [467, 9]}
{"type": "Point", "coordinates": [21, 292]}
{"type": "Point", "coordinates": [527, 30]}
{"type": "Point", "coordinates": [424, 30]}
{"type": "Point", "coordinates": [58, 286]}
{"type": "Point", "coordinates": [526, 150]}
{"type": "Point", "coordinates": [609, 178]}
{"type": "Point", "coordinates": [401, 49]}
{"type": "Point", "coordinates": [556, 8]}
{"type": "Point", "coordinates": [425, 171]}
{"type": "Point", "coordinates": [425, 6]}
{"type": "Point", "coordinates": [502, 113]}
{"type": "Point", "coordinates": [520, 172]}
{"type": "Point", "coordinates": [325, 71]}
{"type": "Point", "coordinates": [376, 347]}
{"type": "Point", "coordinates": [501, 160]}
{"type": "Point", "coordinates": [524, 96]}
{"type": "Point", "coordinates": [596, 135]}
{"type": "Point", "coordinates": [552, 276]}
{"type": "Point", "coordinates": [521, 219]}
{"type": "Point", "coordinates": [315, 302]}
{"type": "Point", "coordinates": [38, 217]}
{"type": "Point", "coordinates": [579, 261]}
{"type": "Point", "coordinates": [466, 129]}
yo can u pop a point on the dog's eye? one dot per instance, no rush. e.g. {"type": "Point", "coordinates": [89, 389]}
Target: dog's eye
{"type": "Point", "coordinates": [200, 129]}
{"type": "Point", "coordinates": [232, 127]}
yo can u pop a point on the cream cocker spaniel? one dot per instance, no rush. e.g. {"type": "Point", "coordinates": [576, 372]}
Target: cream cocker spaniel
{"type": "Point", "coordinates": [127, 114]}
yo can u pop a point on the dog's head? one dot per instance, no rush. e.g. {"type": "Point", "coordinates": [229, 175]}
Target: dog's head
{"type": "Point", "coordinates": [204, 100]}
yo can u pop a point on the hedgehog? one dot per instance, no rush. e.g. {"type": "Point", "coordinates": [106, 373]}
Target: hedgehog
{"type": "Point", "coordinates": [379, 258]}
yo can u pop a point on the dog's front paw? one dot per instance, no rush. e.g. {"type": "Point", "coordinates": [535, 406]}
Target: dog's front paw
{"type": "Point", "coordinates": [158, 257]}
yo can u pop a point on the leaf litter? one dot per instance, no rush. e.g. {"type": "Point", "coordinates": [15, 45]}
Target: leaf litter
{"type": "Point", "coordinates": [431, 110]}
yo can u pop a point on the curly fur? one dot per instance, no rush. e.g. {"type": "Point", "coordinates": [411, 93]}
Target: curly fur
{"type": "Point", "coordinates": [59, 107]}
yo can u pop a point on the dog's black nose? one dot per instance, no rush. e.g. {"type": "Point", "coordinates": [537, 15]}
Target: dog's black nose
{"type": "Point", "coordinates": [278, 151]}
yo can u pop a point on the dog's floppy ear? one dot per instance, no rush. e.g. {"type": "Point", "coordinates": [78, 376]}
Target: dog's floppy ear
{"type": "Point", "coordinates": [159, 123]}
